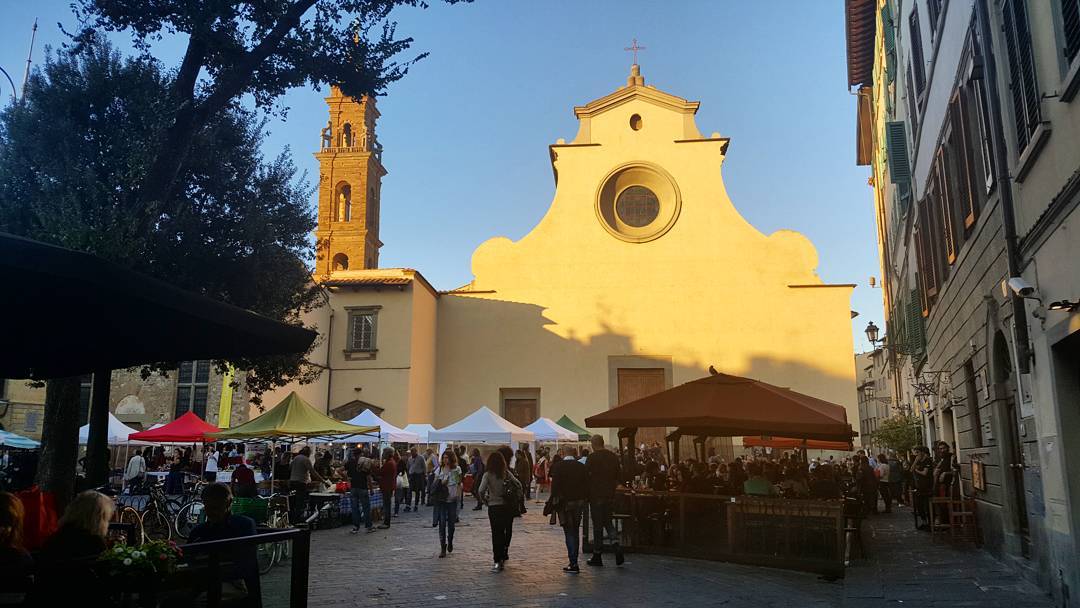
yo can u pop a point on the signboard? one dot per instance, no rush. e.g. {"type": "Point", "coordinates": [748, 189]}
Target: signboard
{"type": "Point", "coordinates": [978, 478]}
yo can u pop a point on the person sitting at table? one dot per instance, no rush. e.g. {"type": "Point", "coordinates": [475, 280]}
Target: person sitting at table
{"type": "Point", "coordinates": [243, 482]}
{"type": "Point", "coordinates": [65, 565]}
{"type": "Point", "coordinates": [794, 484]}
{"type": "Point", "coordinates": [756, 484]}
{"type": "Point", "coordinates": [736, 477]}
{"type": "Point", "coordinates": [222, 524]}
{"type": "Point", "coordinates": [701, 482]}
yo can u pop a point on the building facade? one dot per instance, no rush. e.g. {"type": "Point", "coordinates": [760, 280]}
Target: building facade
{"type": "Point", "coordinates": [967, 119]}
{"type": "Point", "coordinates": [873, 381]}
{"type": "Point", "coordinates": [641, 276]}
{"type": "Point", "coordinates": [138, 402]}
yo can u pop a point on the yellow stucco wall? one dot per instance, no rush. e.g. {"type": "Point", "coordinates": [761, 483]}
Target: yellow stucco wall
{"type": "Point", "coordinates": [553, 309]}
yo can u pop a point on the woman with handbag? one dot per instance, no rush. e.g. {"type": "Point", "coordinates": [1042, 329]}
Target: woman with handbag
{"type": "Point", "coordinates": [446, 490]}
{"type": "Point", "coordinates": [501, 491]}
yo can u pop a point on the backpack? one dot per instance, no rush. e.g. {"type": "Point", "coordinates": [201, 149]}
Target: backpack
{"type": "Point", "coordinates": [512, 492]}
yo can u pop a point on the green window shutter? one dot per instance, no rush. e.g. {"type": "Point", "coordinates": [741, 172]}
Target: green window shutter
{"type": "Point", "coordinates": [916, 338]}
{"type": "Point", "coordinates": [896, 144]}
{"type": "Point", "coordinates": [888, 35]}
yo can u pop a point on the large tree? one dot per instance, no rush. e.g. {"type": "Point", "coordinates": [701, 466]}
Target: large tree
{"type": "Point", "coordinates": [159, 169]}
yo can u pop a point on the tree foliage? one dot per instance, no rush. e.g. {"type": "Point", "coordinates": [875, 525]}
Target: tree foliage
{"type": "Point", "coordinates": [76, 149]}
{"type": "Point", "coordinates": [900, 433]}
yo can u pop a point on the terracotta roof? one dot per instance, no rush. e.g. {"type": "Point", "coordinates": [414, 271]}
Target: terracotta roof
{"type": "Point", "coordinates": [860, 25]}
{"type": "Point", "coordinates": [375, 277]}
{"type": "Point", "coordinates": [331, 282]}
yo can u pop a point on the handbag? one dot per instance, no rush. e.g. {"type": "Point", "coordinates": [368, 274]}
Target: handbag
{"type": "Point", "coordinates": [402, 481]}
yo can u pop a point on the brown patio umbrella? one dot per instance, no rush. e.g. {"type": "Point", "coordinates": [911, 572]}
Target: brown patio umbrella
{"type": "Point", "coordinates": [730, 406]}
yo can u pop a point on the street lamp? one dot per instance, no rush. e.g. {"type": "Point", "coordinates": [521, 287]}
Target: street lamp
{"type": "Point", "coordinates": [14, 91]}
{"type": "Point", "coordinates": [872, 333]}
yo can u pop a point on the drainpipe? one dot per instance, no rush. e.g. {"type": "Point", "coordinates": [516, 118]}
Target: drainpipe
{"type": "Point", "coordinates": [329, 345]}
{"type": "Point", "coordinates": [1020, 324]}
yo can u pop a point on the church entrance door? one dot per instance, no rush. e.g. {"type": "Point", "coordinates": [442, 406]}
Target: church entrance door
{"type": "Point", "coordinates": [635, 383]}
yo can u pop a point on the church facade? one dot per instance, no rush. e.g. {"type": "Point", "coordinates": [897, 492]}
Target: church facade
{"type": "Point", "coordinates": [641, 276]}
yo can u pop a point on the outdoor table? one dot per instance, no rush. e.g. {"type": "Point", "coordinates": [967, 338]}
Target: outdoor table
{"type": "Point", "coordinates": [801, 534]}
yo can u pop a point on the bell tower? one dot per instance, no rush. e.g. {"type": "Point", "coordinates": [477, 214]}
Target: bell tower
{"type": "Point", "coordinates": [350, 177]}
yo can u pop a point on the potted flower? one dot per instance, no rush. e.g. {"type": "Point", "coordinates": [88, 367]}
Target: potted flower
{"type": "Point", "coordinates": [142, 565]}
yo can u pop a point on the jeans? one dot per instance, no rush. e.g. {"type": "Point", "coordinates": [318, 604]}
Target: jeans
{"type": "Point", "coordinates": [361, 507]}
{"type": "Point", "coordinates": [416, 489]}
{"type": "Point", "coordinates": [501, 518]}
{"type": "Point", "coordinates": [571, 523]}
{"type": "Point", "coordinates": [446, 514]}
{"type": "Point", "coordinates": [601, 520]}
{"type": "Point", "coordinates": [885, 489]}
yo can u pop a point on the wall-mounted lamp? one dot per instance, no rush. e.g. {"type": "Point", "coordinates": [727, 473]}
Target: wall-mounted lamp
{"type": "Point", "coordinates": [1065, 305]}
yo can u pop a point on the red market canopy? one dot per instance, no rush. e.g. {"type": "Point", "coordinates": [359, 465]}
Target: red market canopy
{"type": "Point", "coordinates": [186, 428]}
{"type": "Point", "coordinates": [730, 406]}
{"type": "Point", "coordinates": [790, 443]}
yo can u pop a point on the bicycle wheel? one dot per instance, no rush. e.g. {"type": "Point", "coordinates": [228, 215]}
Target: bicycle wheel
{"type": "Point", "coordinates": [283, 547]}
{"type": "Point", "coordinates": [266, 555]}
{"type": "Point", "coordinates": [173, 504]}
{"type": "Point", "coordinates": [128, 515]}
{"type": "Point", "coordinates": [189, 516]}
{"type": "Point", "coordinates": [156, 526]}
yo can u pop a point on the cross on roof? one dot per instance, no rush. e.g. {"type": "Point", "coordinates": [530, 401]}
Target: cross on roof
{"type": "Point", "coordinates": [635, 48]}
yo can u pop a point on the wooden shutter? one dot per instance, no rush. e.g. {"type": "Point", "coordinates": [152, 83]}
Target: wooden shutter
{"type": "Point", "coordinates": [918, 67]}
{"type": "Point", "coordinates": [913, 105]}
{"type": "Point", "coordinates": [968, 141]}
{"type": "Point", "coordinates": [1070, 23]}
{"type": "Point", "coordinates": [896, 148]}
{"type": "Point", "coordinates": [946, 191]}
{"type": "Point", "coordinates": [1023, 87]}
{"type": "Point", "coordinates": [888, 35]}
{"type": "Point", "coordinates": [916, 334]}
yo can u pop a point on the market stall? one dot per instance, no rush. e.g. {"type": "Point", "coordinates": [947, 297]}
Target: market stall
{"type": "Point", "coordinates": [783, 532]}
{"type": "Point", "coordinates": [483, 426]}
{"type": "Point", "coordinates": [420, 429]}
{"type": "Point", "coordinates": [568, 424]}
{"type": "Point", "coordinates": [387, 432]}
{"type": "Point", "coordinates": [546, 429]}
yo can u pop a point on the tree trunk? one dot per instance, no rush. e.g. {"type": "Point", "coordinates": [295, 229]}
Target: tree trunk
{"type": "Point", "coordinates": [60, 439]}
{"type": "Point", "coordinates": [97, 460]}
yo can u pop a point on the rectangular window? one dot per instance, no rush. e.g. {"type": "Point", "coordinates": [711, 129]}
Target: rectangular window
{"type": "Point", "coordinates": [192, 383]}
{"type": "Point", "coordinates": [917, 65]}
{"type": "Point", "coordinates": [31, 422]}
{"type": "Point", "coordinates": [913, 106]}
{"type": "Point", "coordinates": [362, 330]}
{"type": "Point", "coordinates": [946, 189]}
{"type": "Point", "coordinates": [933, 11]}
{"type": "Point", "coordinates": [1022, 86]}
{"type": "Point", "coordinates": [1070, 24]}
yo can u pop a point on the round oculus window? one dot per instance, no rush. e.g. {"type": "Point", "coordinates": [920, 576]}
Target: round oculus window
{"type": "Point", "coordinates": [637, 206]}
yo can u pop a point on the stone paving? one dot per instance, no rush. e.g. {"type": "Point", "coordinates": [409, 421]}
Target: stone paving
{"type": "Point", "coordinates": [400, 567]}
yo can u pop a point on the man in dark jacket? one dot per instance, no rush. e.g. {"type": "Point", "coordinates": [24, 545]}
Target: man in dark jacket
{"type": "Point", "coordinates": [569, 493]}
{"type": "Point", "coordinates": [603, 469]}
{"type": "Point", "coordinates": [387, 483]}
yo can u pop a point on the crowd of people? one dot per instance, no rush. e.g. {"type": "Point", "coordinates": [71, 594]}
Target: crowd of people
{"type": "Point", "coordinates": [871, 480]}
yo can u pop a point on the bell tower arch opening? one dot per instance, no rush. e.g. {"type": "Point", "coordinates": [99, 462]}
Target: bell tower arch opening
{"type": "Point", "coordinates": [350, 178]}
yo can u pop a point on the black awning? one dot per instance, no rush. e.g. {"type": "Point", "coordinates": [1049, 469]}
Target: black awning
{"type": "Point", "coordinates": [65, 313]}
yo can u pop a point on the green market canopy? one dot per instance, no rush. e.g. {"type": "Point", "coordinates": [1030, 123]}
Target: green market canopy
{"type": "Point", "coordinates": [293, 420]}
{"type": "Point", "coordinates": [568, 424]}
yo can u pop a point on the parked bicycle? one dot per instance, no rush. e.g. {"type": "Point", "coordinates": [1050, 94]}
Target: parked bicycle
{"type": "Point", "coordinates": [277, 517]}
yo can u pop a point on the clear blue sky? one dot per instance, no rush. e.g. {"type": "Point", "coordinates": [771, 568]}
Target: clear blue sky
{"type": "Point", "coordinates": [466, 132]}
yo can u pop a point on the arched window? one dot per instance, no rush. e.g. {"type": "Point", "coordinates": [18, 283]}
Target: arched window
{"type": "Point", "coordinates": [346, 135]}
{"type": "Point", "coordinates": [340, 262]}
{"type": "Point", "coordinates": [1002, 360]}
{"type": "Point", "coordinates": [343, 206]}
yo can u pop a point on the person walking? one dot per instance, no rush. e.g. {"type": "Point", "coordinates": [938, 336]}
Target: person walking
{"type": "Point", "coordinates": [417, 471]}
{"type": "Point", "coordinates": [603, 470]}
{"type": "Point", "coordinates": [523, 471]}
{"type": "Point", "coordinates": [569, 494]}
{"type": "Point", "coordinates": [358, 468]}
{"type": "Point", "coordinates": [387, 483]}
{"type": "Point", "coordinates": [476, 468]}
{"type": "Point", "coordinates": [923, 482]}
{"type": "Point", "coordinates": [135, 473]}
{"type": "Point", "coordinates": [502, 506]}
{"type": "Point", "coordinates": [446, 490]}
{"type": "Point", "coordinates": [301, 473]}
{"type": "Point", "coordinates": [896, 477]}
{"type": "Point", "coordinates": [210, 469]}
{"type": "Point", "coordinates": [884, 475]}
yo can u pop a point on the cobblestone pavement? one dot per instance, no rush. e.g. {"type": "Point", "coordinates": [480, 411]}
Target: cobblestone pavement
{"type": "Point", "coordinates": [400, 567]}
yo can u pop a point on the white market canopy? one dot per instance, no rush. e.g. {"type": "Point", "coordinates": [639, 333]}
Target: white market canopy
{"type": "Point", "coordinates": [117, 433]}
{"type": "Point", "coordinates": [482, 426]}
{"type": "Point", "coordinates": [421, 430]}
{"type": "Point", "coordinates": [13, 440]}
{"type": "Point", "coordinates": [387, 431]}
{"type": "Point", "coordinates": [546, 429]}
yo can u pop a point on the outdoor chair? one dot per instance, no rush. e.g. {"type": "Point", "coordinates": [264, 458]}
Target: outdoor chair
{"type": "Point", "coordinates": [940, 525]}
{"type": "Point", "coordinates": [963, 523]}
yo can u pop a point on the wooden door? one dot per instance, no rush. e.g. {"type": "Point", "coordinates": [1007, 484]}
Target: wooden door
{"type": "Point", "coordinates": [635, 383]}
{"type": "Point", "coordinates": [521, 412]}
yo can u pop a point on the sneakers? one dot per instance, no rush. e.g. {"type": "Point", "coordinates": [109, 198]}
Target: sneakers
{"type": "Point", "coordinates": [497, 567]}
{"type": "Point", "coordinates": [595, 560]}
{"type": "Point", "coordinates": [354, 530]}
{"type": "Point", "coordinates": [619, 557]}
{"type": "Point", "coordinates": [571, 569]}
{"type": "Point", "coordinates": [370, 530]}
